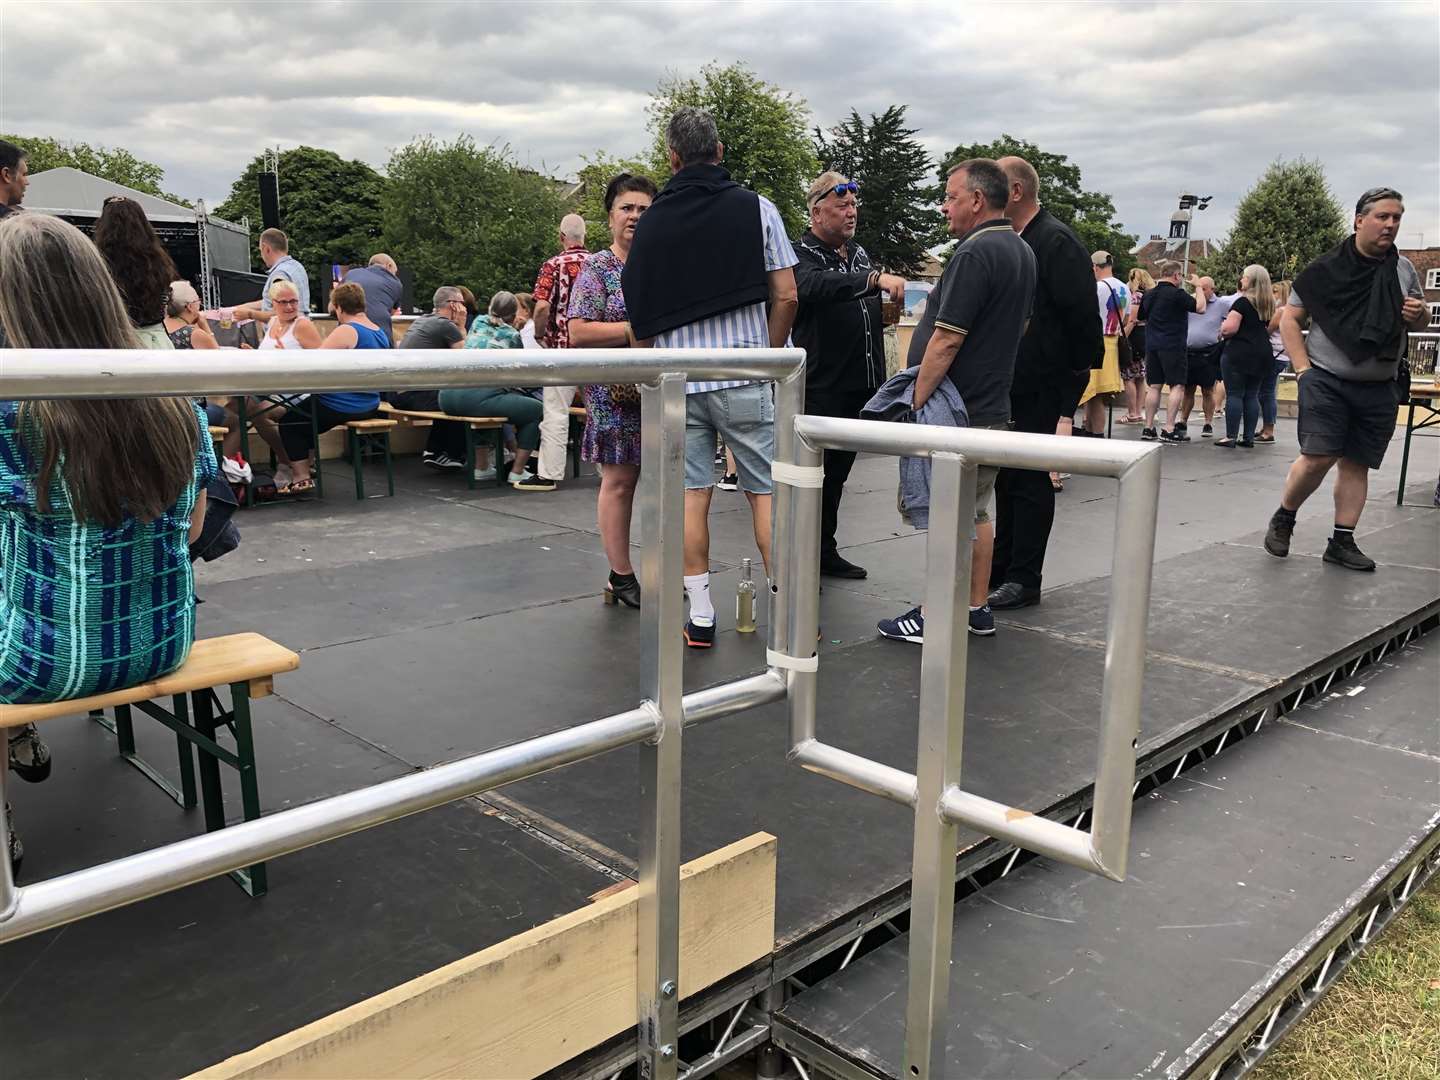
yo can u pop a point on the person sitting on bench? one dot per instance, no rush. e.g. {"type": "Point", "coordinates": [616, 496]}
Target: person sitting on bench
{"type": "Point", "coordinates": [497, 331]}
{"type": "Point", "coordinates": [99, 499]}
{"type": "Point", "coordinates": [355, 331]}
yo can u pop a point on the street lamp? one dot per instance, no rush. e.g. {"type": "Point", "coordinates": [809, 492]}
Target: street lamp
{"type": "Point", "coordinates": [1180, 224]}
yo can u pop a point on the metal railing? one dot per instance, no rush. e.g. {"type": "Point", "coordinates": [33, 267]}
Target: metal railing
{"type": "Point", "coordinates": [939, 803]}
{"type": "Point", "coordinates": [657, 723]}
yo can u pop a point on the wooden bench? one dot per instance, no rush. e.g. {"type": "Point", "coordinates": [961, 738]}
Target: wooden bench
{"type": "Point", "coordinates": [248, 664]}
{"type": "Point", "coordinates": [493, 425]}
{"type": "Point", "coordinates": [363, 436]}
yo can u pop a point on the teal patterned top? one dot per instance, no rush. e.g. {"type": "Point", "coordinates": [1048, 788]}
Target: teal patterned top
{"type": "Point", "coordinates": [83, 608]}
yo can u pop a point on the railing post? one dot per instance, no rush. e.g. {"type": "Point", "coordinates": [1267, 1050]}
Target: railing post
{"type": "Point", "coordinates": [8, 895]}
{"type": "Point", "coordinates": [942, 726]}
{"type": "Point", "coordinates": [662, 517]}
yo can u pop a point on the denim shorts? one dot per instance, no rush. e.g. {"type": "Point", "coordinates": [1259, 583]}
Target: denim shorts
{"type": "Point", "coordinates": [745, 416]}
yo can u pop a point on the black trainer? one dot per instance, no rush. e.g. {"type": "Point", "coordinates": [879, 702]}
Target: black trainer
{"type": "Point", "coordinates": [1207, 431]}
{"type": "Point", "coordinates": [1277, 536]}
{"type": "Point", "coordinates": [1149, 434]}
{"type": "Point", "coordinates": [1172, 437]}
{"type": "Point", "coordinates": [1342, 552]}
{"type": "Point", "coordinates": [533, 482]}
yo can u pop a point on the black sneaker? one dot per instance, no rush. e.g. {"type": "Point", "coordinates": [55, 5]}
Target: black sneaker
{"type": "Point", "coordinates": [1149, 434]}
{"type": "Point", "coordinates": [909, 626]}
{"type": "Point", "coordinates": [1206, 431]}
{"type": "Point", "coordinates": [699, 637]}
{"type": "Point", "coordinates": [1171, 437]}
{"type": "Point", "coordinates": [533, 482]}
{"type": "Point", "coordinates": [1277, 536]}
{"type": "Point", "coordinates": [1343, 552]}
{"type": "Point", "coordinates": [729, 482]}
{"type": "Point", "coordinates": [982, 621]}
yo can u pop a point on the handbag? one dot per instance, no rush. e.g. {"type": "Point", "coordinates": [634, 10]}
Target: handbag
{"type": "Point", "coordinates": [1122, 344]}
{"type": "Point", "coordinates": [623, 393]}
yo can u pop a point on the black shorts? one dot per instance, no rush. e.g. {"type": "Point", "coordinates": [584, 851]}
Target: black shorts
{"type": "Point", "coordinates": [1343, 418]}
{"type": "Point", "coordinates": [1202, 367]}
{"type": "Point", "coordinates": [1165, 367]}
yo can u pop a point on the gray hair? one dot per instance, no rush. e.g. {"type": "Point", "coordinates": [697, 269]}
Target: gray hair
{"type": "Point", "coordinates": [182, 295]}
{"type": "Point", "coordinates": [693, 136]}
{"type": "Point", "coordinates": [986, 177]}
{"type": "Point", "coordinates": [1168, 268]}
{"type": "Point", "coordinates": [572, 228]}
{"type": "Point", "coordinates": [1367, 201]}
{"type": "Point", "coordinates": [446, 294]}
{"type": "Point", "coordinates": [503, 306]}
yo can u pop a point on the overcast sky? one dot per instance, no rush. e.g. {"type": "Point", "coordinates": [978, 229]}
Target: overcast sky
{"type": "Point", "coordinates": [1147, 99]}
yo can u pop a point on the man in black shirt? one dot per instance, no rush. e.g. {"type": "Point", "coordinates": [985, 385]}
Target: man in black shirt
{"type": "Point", "coordinates": [1061, 345]}
{"type": "Point", "coordinates": [839, 326]}
{"type": "Point", "coordinates": [14, 177]}
{"type": "Point", "coordinates": [1165, 312]}
{"type": "Point", "coordinates": [970, 333]}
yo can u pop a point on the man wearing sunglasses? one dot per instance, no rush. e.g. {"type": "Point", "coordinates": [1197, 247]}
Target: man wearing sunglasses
{"type": "Point", "coordinates": [839, 326]}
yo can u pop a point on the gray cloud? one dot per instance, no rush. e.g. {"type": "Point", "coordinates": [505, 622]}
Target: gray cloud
{"type": "Point", "coordinates": [1146, 99]}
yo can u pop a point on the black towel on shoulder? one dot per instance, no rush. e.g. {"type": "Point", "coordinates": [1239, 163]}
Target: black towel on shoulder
{"type": "Point", "coordinates": [1356, 300]}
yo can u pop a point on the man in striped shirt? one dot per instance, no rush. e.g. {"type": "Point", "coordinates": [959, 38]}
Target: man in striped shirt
{"type": "Point", "coordinates": [744, 298]}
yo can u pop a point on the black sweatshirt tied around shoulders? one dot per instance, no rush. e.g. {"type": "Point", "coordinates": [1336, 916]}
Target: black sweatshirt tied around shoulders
{"type": "Point", "coordinates": [698, 252]}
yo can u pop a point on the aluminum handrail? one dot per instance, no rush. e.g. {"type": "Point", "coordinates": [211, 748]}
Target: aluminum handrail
{"type": "Point", "coordinates": [656, 725]}
{"type": "Point", "coordinates": [939, 803]}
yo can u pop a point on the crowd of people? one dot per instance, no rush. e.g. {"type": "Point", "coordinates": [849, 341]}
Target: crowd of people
{"type": "Point", "coordinates": [1024, 328]}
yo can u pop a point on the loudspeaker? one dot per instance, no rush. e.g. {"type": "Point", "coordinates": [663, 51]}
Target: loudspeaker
{"type": "Point", "coordinates": [269, 200]}
{"type": "Point", "coordinates": [407, 291]}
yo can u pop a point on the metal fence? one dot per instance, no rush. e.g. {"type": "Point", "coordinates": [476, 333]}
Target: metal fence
{"type": "Point", "coordinates": [658, 721]}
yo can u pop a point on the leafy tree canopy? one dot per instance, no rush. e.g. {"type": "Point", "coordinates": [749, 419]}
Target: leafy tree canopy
{"type": "Point", "coordinates": [460, 214]}
{"type": "Point", "coordinates": [898, 220]}
{"type": "Point", "coordinates": [1090, 213]}
{"type": "Point", "coordinates": [109, 163]}
{"type": "Point", "coordinates": [329, 207]}
{"type": "Point", "coordinates": [1287, 219]}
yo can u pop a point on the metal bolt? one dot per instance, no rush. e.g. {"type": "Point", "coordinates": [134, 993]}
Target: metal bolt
{"type": "Point", "coordinates": [667, 989]}
{"type": "Point", "coordinates": [667, 1052]}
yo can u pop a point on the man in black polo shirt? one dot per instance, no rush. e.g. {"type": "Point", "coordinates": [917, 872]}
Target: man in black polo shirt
{"type": "Point", "coordinates": [1165, 312]}
{"type": "Point", "coordinates": [970, 333]}
{"type": "Point", "coordinates": [1052, 369]}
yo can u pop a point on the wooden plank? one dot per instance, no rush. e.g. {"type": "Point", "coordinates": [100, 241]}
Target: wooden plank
{"type": "Point", "coordinates": [215, 661]}
{"type": "Point", "coordinates": [530, 1003]}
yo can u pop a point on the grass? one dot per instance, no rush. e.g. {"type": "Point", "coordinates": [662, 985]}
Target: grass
{"type": "Point", "coordinates": [1381, 1020]}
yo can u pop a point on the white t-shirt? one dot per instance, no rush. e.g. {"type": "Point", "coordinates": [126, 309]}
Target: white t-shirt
{"type": "Point", "coordinates": [1112, 312]}
{"type": "Point", "coordinates": [527, 336]}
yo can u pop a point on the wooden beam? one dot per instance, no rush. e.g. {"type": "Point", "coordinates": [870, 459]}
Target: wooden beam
{"type": "Point", "coordinates": [536, 1000]}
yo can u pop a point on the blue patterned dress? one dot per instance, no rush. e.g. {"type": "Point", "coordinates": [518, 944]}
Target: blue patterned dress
{"type": "Point", "coordinates": [85, 609]}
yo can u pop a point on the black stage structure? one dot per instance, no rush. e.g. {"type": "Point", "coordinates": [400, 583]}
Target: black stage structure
{"type": "Point", "coordinates": [1287, 802]}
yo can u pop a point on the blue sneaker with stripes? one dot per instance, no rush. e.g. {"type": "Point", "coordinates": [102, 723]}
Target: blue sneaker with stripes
{"type": "Point", "coordinates": [907, 627]}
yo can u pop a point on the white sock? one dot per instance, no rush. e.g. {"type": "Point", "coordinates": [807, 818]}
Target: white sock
{"type": "Point", "coordinates": [697, 587]}
{"type": "Point", "coordinates": [976, 607]}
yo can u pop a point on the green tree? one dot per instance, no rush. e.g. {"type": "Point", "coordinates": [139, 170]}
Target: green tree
{"type": "Point", "coordinates": [765, 131]}
{"type": "Point", "coordinates": [1287, 219]}
{"type": "Point", "coordinates": [898, 220]}
{"type": "Point", "coordinates": [1090, 213]}
{"type": "Point", "coordinates": [460, 214]}
{"type": "Point", "coordinates": [329, 207]}
{"type": "Point", "coordinates": [109, 163]}
{"type": "Point", "coordinates": [595, 175]}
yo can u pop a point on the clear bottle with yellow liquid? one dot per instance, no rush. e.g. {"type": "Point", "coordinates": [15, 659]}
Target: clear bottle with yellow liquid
{"type": "Point", "coordinates": [745, 599]}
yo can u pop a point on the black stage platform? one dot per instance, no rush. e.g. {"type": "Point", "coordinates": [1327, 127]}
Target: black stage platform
{"type": "Point", "coordinates": [1058, 973]}
{"type": "Point", "coordinates": [444, 622]}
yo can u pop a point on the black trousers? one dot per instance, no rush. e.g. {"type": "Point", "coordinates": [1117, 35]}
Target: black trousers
{"type": "Point", "coordinates": [295, 430]}
{"type": "Point", "coordinates": [837, 462]}
{"type": "Point", "coordinates": [1024, 499]}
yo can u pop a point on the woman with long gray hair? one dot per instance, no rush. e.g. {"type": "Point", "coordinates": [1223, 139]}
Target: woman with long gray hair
{"type": "Point", "coordinates": [99, 499]}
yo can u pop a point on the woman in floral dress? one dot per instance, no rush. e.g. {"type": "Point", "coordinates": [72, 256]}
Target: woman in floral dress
{"type": "Point", "coordinates": [612, 413]}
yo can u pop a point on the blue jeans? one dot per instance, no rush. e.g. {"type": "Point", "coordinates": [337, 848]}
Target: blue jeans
{"type": "Point", "coordinates": [1268, 408]}
{"type": "Point", "coordinates": [1242, 396]}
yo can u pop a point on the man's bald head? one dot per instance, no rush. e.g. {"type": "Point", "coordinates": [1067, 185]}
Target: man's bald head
{"type": "Point", "coordinates": [385, 262]}
{"type": "Point", "coordinates": [1208, 284]}
{"type": "Point", "coordinates": [1022, 175]}
{"type": "Point", "coordinates": [572, 229]}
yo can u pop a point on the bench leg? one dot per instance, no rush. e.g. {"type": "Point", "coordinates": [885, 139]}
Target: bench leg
{"type": "Point", "coordinates": [469, 457]}
{"type": "Point", "coordinates": [123, 728]}
{"type": "Point", "coordinates": [357, 453]}
{"type": "Point", "coordinates": [315, 471]}
{"type": "Point", "coordinates": [502, 480]}
{"type": "Point", "coordinates": [1405, 455]}
{"type": "Point", "coordinates": [389, 464]}
{"type": "Point", "coordinates": [186, 756]}
{"type": "Point", "coordinates": [211, 797]}
{"type": "Point", "coordinates": [252, 880]}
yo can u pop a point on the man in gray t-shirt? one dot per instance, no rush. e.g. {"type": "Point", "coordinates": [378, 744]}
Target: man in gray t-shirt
{"type": "Point", "coordinates": [1347, 387]}
{"type": "Point", "coordinates": [445, 329]}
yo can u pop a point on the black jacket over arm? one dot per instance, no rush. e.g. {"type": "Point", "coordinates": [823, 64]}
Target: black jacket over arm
{"type": "Point", "coordinates": [1065, 335]}
{"type": "Point", "coordinates": [839, 322]}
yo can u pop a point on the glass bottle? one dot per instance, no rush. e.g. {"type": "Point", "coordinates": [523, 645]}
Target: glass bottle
{"type": "Point", "coordinates": [745, 599]}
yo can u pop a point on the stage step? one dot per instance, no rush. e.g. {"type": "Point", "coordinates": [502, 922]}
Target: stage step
{"type": "Point", "coordinates": [1253, 877]}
